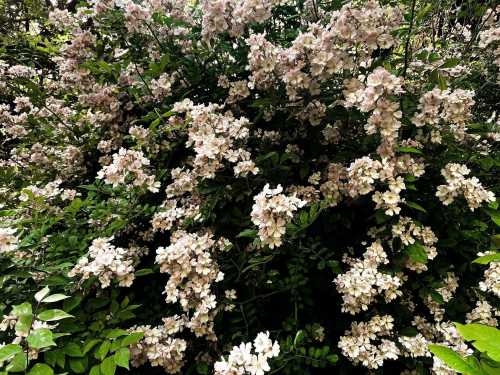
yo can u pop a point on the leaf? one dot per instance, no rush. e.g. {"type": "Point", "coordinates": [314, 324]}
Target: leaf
{"type": "Point", "coordinates": [40, 338]}
{"type": "Point", "coordinates": [122, 357]}
{"type": "Point", "coordinates": [60, 358]}
{"type": "Point", "coordinates": [332, 358]}
{"type": "Point", "coordinates": [41, 369]}
{"type": "Point", "coordinates": [452, 360]}
{"type": "Point", "coordinates": [71, 303]}
{"type": "Point", "coordinates": [50, 358]}
{"type": "Point", "coordinates": [437, 297]}
{"type": "Point", "coordinates": [22, 309]}
{"type": "Point", "coordinates": [18, 363]}
{"type": "Point", "coordinates": [484, 338]}
{"type": "Point", "coordinates": [250, 233]}
{"type": "Point", "coordinates": [108, 366]}
{"type": "Point", "coordinates": [416, 252]}
{"type": "Point", "coordinates": [409, 150]}
{"type": "Point", "coordinates": [95, 370]}
{"type": "Point", "coordinates": [42, 293]}
{"type": "Point", "coordinates": [54, 314]}
{"type": "Point", "coordinates": [103, 350]}
{"type": "Point", "coordinates": [78, 365]}
{"type": "Point", "coordinates": [133, 338]}
{"type": "Point", "coordinates": [23, 324]}
{"type": "Point", "coordinates": [490, 367]}
{"type": "Point", "coordinates": [450, 63]}
{"type": "Point", "coordinates": [89, 345]}
{"type": "Point", "coordinates": [143, 272]}
{"type": "Point", "coordinates": [487, 259]}
{"type": "Point", "coordinates": [495, 240]}
{"type": "Point", "coordinates": [8, 351]}
{"type": "Point", "coordinates": [299, 336]}
{"type": "Point", "coordinates": [415, 206]}
{"type": "Point", "coordinates": [114, 333]}
{"type": "Point", "coordinates": [54, 298]}
{"type": "Point", "coordinates": [202, 368]}
{"type": "Point", "coordinates": [494, 215]}
{"type": "Point", "coordinates": [476, 331]}
{"type": "Point", "coordinates": [72, 349]}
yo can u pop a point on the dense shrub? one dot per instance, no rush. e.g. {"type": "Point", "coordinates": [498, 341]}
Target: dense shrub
{"type": "Point", "coordinates": [249, 186]}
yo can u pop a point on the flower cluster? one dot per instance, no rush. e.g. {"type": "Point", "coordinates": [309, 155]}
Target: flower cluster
{"type": "Point", "coordinates": [128, 166]}
{"type": "Point", "coordinates": [8, 240]}
{"type": "Point", "coordinates": [452, 108]}
{"type": "Point", "coordinates": [215, 137]}
{"type": "Point", "coordinates": [456, 184]}
{"type": "Point", "coordinates": [242, 361]}
{"type": "Point", "coordinates": [491, 282]}
{"type": "Point", "coordinates": [483, 313]}
{"type": "Point", "coordinates": [365, 342]}
{"type": "Point", "coordinates": [446, 291]}
{"type": "Point", "coordinates": [374, 96]}
{"type": "Point", "coordinates": [162, 87]}
{"type": "Point", "coordinates": [271, 212]}
{"type": "Point", "coordinates": [108, 262]}
{"type": "Point", "coordinates": [414, 346]}
{"type": "Point", "coordinates": [233, 15]}
{"type": "Point", "coordinates": [363, 282]}
{"type": "Point", "coordinates": [411, 233]}
{"type": "Point", "coordinates": [159, 347]}
{"type": "Point", "coordinates": [188, 260]}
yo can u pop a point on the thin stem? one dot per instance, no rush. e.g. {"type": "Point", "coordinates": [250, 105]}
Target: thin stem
{"type": "Point", "coordinates": [407, 45]}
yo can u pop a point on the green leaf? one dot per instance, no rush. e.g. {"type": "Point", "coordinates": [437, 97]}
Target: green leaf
{"type": "Point", "coordinates": [72, 349]}
{"type": "Point", "coordinates": [484, 338]}
{"type": "Point", "coordinates": [60, 358]}
{"type": "Point", "coordinates": [494, 214]}
{"type": "Point", "coordinates": [40, 338]}
{"type": "Point", "coordinates": [108, 366]}
{"type": "Point", "coordinates": [436, 296]}
{"type": "Point", "coordinates": [143, 272]}
{"type": "Point", "coordinates": [18, 363]}
{"type": "Point", "coordinates": [490, 367]}
{"type": "Point", "coordinates": [202, 368]}
{"type": "Point", "coordinates": [416, 252]}
{"type": "Point", "coordinates": [103, 350]}
{"type": "Point", "coordinates": [249, 233]}
{"type": "Point", "coordinates": [133, 338]}
{"type": "Point", "coordinates": [475, 331]}
{"type": "Point", "coordinates": [122, 357]}
{"type": "Point", "coordinates": [114, 333]}
{"type": "Point", "coordinates": [453, 360]}
{"type": "Point", "coordinates": [23, 324]}
{"type": "Point", "coordinates": [50, 358]}
{"type": "Point", "coordinates": [71, 303]}
{"type": "Point", "coordinates": [415, 206]}
{"type": "Point", "coordinates": [54, 314]}
{"type": "Point", "coordinates": [54, 298]}
{"type": "Point", "coordinates": [450, 63]}
{"type": "Point", "coordinates": [24, 314]}
{"type": "Point", "coordinates": [299, 336]}
{"type": "Point", "coordinates": [487, 259]}
{"type": "Point", "coordinates": [41, 369]}
{"type": "Point", "coordinates": [8, 351]}
{"type": "Point", "coordinates": [42, 293]}
{"type": "Point", "coordinates": [78, 365]}
{"type": "Point", "coordinates": [332, 358]}
{"type": "Point", "coordinates": [95, 370]}
{"type": "Point", "coordinates": [410, 150]}
{"type": "Point", "coordinates": [87, 347]}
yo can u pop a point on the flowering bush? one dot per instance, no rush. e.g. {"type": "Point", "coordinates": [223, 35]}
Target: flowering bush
{"type": "Point", "coordinates": [240, 187]}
